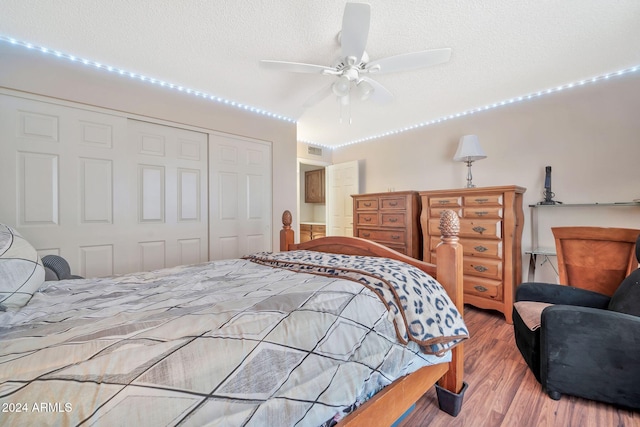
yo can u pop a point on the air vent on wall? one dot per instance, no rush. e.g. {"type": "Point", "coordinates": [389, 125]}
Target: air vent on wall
{"type": "Point", "coordinates": [314, 151]}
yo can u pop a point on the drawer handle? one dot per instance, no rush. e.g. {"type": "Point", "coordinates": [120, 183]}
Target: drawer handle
{"type": "Point", "coordinates": [479, 229]}
{"type": "Point", "coordinates": [480, 288]}
{"type": "Point", "coordinates": [480, 248]}
{"type": "Point", "coordinates": [443, 202]}
{"type": "Point", "coordinates": [393, 203]}
{"type": "Point", "coordinates": [395, 237]}
{"type": "Point", "coordinates": [393, 219]}
{"type": "Point", "coordinates": [366, 234]}
{"type": "Point", "coordinates": [482, 213]}
{"type": "Point", "coordinates": [482, 200]}
{"type": "Point", "coordinates": [480, 268]}
{"type": "Point", "coordinates": [367, 218]}
{"type": "Point", "coordinates": [367, 204]}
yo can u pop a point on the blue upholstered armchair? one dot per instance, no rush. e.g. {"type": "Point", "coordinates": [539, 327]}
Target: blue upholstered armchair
{"type": "Point", "coordinates": [580, 342]}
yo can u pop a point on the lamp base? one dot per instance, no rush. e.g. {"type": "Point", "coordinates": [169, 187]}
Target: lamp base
{"type": "Point", "coordinates": [469, 176]}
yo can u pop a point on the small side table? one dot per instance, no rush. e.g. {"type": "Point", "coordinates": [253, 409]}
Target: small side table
{"type": "Point", "coordinates": [533, 257]}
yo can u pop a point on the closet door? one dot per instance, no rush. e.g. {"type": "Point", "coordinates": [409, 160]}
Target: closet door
{"type": "Point", "coordinates": [59, 186]}
{"type": "Point", "coordinates": [239, 196]}
{"type": "Point", "coordinates": [168, 219]}
{"type": "Point", "coordinates": [110, 195]}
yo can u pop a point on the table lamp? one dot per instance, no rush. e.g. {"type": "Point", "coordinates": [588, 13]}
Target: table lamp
{"type": "Point", "coordinates": [469, 151]}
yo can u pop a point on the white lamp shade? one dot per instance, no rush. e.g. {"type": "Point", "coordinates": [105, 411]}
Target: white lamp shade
{"type": "Point", "coordinates": [364, 89]}
{"type": "Point", "coordinates": [469, 149]}
{"type": "Point", "coordinates": [341, 86]}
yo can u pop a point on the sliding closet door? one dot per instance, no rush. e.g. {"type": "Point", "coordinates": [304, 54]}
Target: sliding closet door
{"type": "Point", "coordinates": [59, 181]}
{"type": "Point", "coordinates": [168, 218]}
{"type": "Point", "coordinates": [240, 196]}
{"type": "Point", "coordinates": [110, 195]}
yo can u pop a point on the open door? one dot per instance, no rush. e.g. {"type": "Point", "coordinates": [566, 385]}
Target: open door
{"type": "Point", "coordinates": [342, 180]}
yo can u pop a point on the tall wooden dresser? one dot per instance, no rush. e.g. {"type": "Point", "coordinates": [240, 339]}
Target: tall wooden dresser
{"type": "Point", "coordinates": [491, 225]}
{"type": "Point", "coordinates": [391, 219]}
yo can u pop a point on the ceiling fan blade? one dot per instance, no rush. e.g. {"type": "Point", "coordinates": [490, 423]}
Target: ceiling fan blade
{"type": "Point", "coordinates": [380, 94]}
{"type": "Point", "coordinates": [355, 29]}
{"type": "Point", "coordinates": [409, 61]}
{"type": "Point", "coordinates": [296, 67]}
{"type": "Point", "coordinates": [318, 96]}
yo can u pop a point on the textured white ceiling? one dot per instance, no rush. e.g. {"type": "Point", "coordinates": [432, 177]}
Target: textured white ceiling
{"type": "Point", "coordinates": [501, 49]}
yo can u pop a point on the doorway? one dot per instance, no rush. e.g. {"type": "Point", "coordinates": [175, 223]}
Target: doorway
{"type": "Point", "coordinates": [312, 207]}
{"type": "Point", "coordinates": [334, 217]}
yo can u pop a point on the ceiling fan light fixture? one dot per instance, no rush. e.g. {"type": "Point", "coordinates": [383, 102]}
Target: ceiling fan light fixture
{"type": "Point", "coordinates": [365, 89]}
{"type": "Point", "coordinates": [341, 86]}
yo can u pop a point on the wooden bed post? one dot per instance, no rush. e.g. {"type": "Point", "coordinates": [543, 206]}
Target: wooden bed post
{"type": "Point", "coordinates": [286, 234]}
{"type": "Point", "coordinates": [449, 274]}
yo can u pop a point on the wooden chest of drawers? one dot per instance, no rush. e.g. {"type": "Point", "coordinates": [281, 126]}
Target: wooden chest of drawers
{"type": "Point", "coordinates": [391, 219]}
{"type": "Point", "coordinates": [491, 221]}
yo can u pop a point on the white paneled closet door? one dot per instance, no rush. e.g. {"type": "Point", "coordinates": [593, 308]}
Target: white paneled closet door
{"type": "Point", "coordinates": [59, 187]}
{"type": "Point", "coordinates": [169, 201]}
{"type": "Point", "coordinates": [240, 205]}
{"type": "Point", "coordinates": [110, 195]}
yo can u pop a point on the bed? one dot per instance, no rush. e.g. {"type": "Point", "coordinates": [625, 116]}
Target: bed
{"type": "Point", "coordinates": [286, 338]}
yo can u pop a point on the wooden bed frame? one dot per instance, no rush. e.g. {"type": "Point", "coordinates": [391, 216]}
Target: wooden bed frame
{"type": "Point", "coordinates": [394, 400]}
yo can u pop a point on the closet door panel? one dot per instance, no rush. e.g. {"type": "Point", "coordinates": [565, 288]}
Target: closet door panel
{"type": "Point", "coordinates": [61, 190]}
{"type": "Point", "coordinates": [240, 197]}
{"type": "Point", "coordinates": [171, 223]}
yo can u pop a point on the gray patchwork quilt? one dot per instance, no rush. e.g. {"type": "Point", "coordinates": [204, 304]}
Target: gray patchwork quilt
{"type": "Point", "coordinates": [223, 343]}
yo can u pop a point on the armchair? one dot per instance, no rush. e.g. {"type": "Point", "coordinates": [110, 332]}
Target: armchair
{"type": "Point", "coordinates": [57, 268]}
{"type": "Point", "coordinates": [580, 342]}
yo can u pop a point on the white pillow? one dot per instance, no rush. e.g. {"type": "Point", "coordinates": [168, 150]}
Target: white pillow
{"type": "Point", "coordinates": [21, 271]}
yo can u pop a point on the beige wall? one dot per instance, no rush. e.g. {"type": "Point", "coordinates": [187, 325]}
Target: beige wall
{"type": "Point", "coordinates": [33, 72]}
{"type": "Point", "coordinates": [589, 135]}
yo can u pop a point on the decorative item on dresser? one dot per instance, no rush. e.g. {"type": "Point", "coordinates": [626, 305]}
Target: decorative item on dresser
{"type": "Point", "coordinates": [391, 219]}
{"type": "Point", "coordinates": [490, 233]}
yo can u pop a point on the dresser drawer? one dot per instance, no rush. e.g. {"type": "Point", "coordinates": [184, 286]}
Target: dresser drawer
{"type": "Point", "coordinates": [402, 249]}
{"type": "Point", "coordinates": [436, 212]}
{"type": "Point", "coordinates": [483, 200]}
{"type": "Point", "coordinates": [445, 202]}
{"type": "Point", "coordinates": [485, 229]}
{"type": "Point", "coordinates": [386, 236]}
{"type": "Point", "coordinates": [367, 204]}
{"type": "Point", "coordinates": [393, 202]}
{"type": "Point", "coordinates": [368, 218]}
{"type": "Point", "coordinates": [398, 219]}
{"type": "Point", "coordinates": [482, 248]}
{"type": "Point", "coordinates": [486, 288]}
{"type": "Point", "coordinates": [482, 267]}
{"type": "Point", "coordinates": [484, 212]}
{"type": "Point", "coordinates": [481, 228]}
{"type": "Point", "coordinates": [475, 248]}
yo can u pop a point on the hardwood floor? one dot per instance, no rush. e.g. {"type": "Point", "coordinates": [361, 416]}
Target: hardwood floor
{"type": "Point", "coordinates": [503, 392]}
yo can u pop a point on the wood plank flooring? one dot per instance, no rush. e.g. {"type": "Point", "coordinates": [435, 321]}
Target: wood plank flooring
{"type": "Point", "coordinates": [503, 392]}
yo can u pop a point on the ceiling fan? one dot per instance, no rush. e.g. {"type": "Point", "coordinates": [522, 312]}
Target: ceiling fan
{"type": "Point", "coordinates": [353, 66]}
